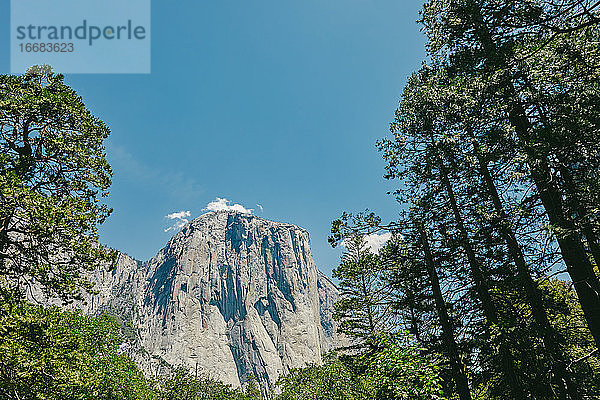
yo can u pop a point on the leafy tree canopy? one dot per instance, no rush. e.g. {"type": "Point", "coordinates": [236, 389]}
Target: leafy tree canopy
{"type": "Point", "coordinates": [46, 353]}
{"type": "Point", "coordinates": [53, 175]}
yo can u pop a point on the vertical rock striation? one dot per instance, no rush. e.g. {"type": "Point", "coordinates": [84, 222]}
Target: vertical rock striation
{"type": "Point", "coordinates": [231, 294]}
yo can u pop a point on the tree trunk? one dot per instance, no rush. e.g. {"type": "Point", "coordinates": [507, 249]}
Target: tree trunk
{"type": "Point", "coordinates": [593, 245]}
{"type": "Point", "coordinates": [573, 251]}
{"type": "Point", "coordinates": [451, 349]}
{"type": "Point", "coordinates": [532, 292]}
{"type": "Point", "coordinates": [591, 237]}
{"type": "Point", "coordinates": [481, 285]}
{"type": "Point", "coordinates": [569, 240]}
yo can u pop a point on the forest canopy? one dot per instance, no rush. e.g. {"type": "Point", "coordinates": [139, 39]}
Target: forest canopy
{"type": "Point", "coordinates": [494, 148]}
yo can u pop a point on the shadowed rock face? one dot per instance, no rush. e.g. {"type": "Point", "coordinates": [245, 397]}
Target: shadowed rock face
{"type": "Point", "coordinates": [231, 294]}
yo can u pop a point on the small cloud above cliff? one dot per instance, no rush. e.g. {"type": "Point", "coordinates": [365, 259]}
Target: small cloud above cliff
{"type": "Point", "coordinates": [225, 205]}
{"type": "Point", "coordinates": [179, 218]}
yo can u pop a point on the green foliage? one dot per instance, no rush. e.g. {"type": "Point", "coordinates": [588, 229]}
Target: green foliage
{"type": "Point", "coordinates": [183, 386]}
{"type": "Point", "coordinates": [396, 370]}
{"type": "Point", "coordinates": [333, 381]}
{"type": "Point", "coordinates": [46, 353]}
{"type": "Point", "coordinates": [568, 319]}
{"type": "Point", "coordinates": [363, 309]}
{"type": "Point", "coordinates": [53, 173]}
{"type": "Point", "coordinates": [252, 391]}
{"type": "Point", "coordinates": [390, 370]}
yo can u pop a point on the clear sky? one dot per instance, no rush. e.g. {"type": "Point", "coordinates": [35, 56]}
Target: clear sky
{"type": "Point", "coordinates": [268, 102]}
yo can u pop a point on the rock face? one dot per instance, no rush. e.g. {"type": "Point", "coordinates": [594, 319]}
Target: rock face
{"type": "Point", "coordinates": [231, 295]}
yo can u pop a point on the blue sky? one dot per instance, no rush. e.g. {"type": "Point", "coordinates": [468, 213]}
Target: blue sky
{"type": "Point", "coordinates": [276, 103]}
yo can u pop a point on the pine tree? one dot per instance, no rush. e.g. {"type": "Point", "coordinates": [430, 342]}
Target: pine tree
{"type": "Point", "coordinates": [478, 40]}
{"type": "Point", "coordinates": [53, 175]}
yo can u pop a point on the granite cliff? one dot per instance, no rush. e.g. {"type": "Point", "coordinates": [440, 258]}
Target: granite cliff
{"type": "Point", "coordinates": [231, 295]}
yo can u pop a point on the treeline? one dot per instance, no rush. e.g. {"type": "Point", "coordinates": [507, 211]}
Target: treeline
{"type": "Point", "coordinates": [493, 265]}
{"type": "Point", "coordinates": [54, 354]}
{"type": "Point", "coordinates": [49, 353]}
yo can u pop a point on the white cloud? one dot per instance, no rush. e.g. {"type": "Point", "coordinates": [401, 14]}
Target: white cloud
{"type": "Point", "coordinates": [259, 206]}
{"type": "Point", "coordinates": [374, 242]}
{"type": "Point", "coordinates": [179, 215]}
{"type": "Point", "coordinates": [224, 205]}
{"type": "Point", "coordinates": [180, 218]}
